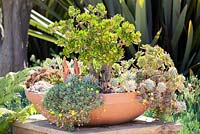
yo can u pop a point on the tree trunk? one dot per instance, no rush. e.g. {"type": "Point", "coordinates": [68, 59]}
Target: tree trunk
{"type": "Point", "coordinates": [13, 48]}
{"type": "Point", "coordinates": [106, 74]}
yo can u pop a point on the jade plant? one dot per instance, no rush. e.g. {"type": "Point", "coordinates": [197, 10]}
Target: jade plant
{"type": "Point", "coordinates": [98, 41]}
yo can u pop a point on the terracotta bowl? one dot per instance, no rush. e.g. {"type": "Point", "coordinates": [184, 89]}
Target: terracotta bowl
{"type": "Point", "coordinates": [117, 108]}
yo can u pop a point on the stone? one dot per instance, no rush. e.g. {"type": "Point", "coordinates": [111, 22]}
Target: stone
{"type": "Point", "coordinates": [40, 87]}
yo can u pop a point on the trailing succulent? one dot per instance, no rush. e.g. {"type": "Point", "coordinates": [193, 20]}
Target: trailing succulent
{"type": "Point", "coordinates": [71, 102]}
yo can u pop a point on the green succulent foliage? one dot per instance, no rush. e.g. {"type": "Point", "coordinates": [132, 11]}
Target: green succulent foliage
{"type": "Point", "coordinates": [122, 66]}
{"type": "Point", "coordinates": [71, 102]}
{"type": "Point", "coordinates": [96, 39]}
{"type": "Point", "coordinates": [55, 62]}
{"type": "Point", "coordinates": [124, 75]}
{"type": "Point", "coordinates": [178, 19]}
{"type": "Point", "coordinates": [12, 98]}
{"type": "Point", "coordinates": [190, 118]}
{"type": "Point", "coordinates": [7, 117]}
{"type": "Point", "coordinates": [157, 80]}
{"type": "Point", "coordinates": [153, 58]}
{"type": "Point", "coordinates": [90, 79]}
{"type": "Point", "coordinates": [12, 89]}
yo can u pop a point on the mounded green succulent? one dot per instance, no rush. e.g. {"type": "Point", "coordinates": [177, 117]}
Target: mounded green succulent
{"type": "Point", "coordinates": [72, 102]}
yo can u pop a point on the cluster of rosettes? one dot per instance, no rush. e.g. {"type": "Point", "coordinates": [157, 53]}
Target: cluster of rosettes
{"type": "Point", "coordinates": [158, 91]}
{"type": "Point", "coordinates": [124, 83]}
{"type": "Point", "coordinates": [154, 78]}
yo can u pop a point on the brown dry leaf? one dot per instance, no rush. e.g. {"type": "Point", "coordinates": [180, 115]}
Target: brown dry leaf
{"type": "Point", "coordinates": [76, 67]}
{"type": "Point", "coordinates": [66, 70]}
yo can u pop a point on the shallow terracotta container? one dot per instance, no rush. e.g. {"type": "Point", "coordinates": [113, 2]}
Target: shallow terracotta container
{"type": "Point", "coordinates": [117, 108]}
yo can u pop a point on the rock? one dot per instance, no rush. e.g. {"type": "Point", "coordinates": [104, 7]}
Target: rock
{"type": "Point", "coordinates": [40, 86]}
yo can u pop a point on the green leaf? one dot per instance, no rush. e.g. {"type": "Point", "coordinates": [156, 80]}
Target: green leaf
{"type": "Point", "coordinates": [155, 40]}
{"type": "Point", "coordinates": [126, 12]}
{"type": "Point", "coordinates": [149, 19]}
{"type": "Point", "coordinates": [7, 117]}
{"type": "Point", "coordinates": [178, 31]}
{"type": "Point", "coordinates": [113, 7]}
{"type": "Point", "coordinates": [141, 20]}
{"type": "Point", "coordinates": [39, 26]}
{"type": "Point", "coordinates": [190, 62]}
{"type": "Point", "coordinates": [65, 3]}
{"type": "Point", "coordinates": [175, 13]}
{"type": "Point", "coordinates": [188, 46]}
{"type": "Point", "coordinates": [92, 2]}
{"type": "Point", "coordinates": [110, 7]}
{"type": "Point", "coordinates": [4, 111]}
{"type": "Point", "coordinates": [26, 112]}
{"type": "Point", "coordinates": [40, 18]}
{"type": "Point", "coordinates": [41, 35]}
{"type": "Point", "coordinates": [45, 7]}
{"type": "Point", "coordinates": [196, 40]}
{"type": "Point", "coordinates": [167, 5]}
{"type": "Point", "coordinates": [131, 5]}
{"type": "Point", "coordinates": [197, 58]}
{"type": "Point", "coordinates": [42, 23]}
{"type": "Point", "coordinates": [197, 10]}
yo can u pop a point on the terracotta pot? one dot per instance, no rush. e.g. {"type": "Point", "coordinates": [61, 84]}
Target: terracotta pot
{"type": "Point", "coordinates": [117, 108]}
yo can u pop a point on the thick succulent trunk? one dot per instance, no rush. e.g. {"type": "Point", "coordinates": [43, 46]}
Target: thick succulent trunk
{"type": "Point", "coordinates": [103, 76]}
{"type": "Point", "coordinates": [106, 73]}
{"type": "Point", "coordinates": [93, 71]}
{"type": "Point", "coordinates": [13, 48]}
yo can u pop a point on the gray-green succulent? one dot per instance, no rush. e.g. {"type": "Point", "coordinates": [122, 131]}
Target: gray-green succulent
{"type": "Point", "coordinates": [72, 102]}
